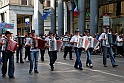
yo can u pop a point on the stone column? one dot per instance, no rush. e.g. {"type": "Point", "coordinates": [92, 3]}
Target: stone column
{"type": "Point", "coordinates": [38, 25]}
{"type": "Point", "coordinates": [81, 23]}
{"type": "Point", "coordinates": [93, 16]}
{"type": "Point", "coordinates": [65, 17]}
{"type": "Point", "coordinates": [53, 15]}
{"type": "Point", "coordinates": [60, 18]}
{"type": "Point", "coordinates": [0, 22]}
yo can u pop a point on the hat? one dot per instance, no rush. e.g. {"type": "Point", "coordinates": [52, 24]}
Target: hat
{"type": "Point", "coordinates": [50, 32]}
{"type": "Point", "coordinates": [107, 27]}
{"type": "Point", "coordinates": [77, 30]}
{"type": "Point", "coordinates": [86, 31]}
{"type": "Point", "coordinates": [8, 32]}
{"type": "Point", "coordinates": [29, 33]}
{"type": "Point", "coordinates": [18, 31]}
{"type": "Point", "coordinates": [33, 31]}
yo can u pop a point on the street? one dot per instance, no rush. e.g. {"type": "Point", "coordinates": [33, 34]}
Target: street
{"type": "Point", "coordinates": [66, 73]}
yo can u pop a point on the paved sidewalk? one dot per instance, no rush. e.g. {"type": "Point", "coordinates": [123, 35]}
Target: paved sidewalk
{"type": "Point", "coordinates": [65, 73]}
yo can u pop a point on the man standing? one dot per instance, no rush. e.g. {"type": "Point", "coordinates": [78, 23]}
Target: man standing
{"type": "Point", "coordinates": [106, 39]}
{"type": "Point", "coordinates": [67, 46]}
{"type": "Point", "coordinates": [7, 54]}
{"type": "Point", "coordinates": [20, 40]}
{"type": "Point", "coordinates": [74, 40]}
{"type": "Point", "coordinates": [52, 53]}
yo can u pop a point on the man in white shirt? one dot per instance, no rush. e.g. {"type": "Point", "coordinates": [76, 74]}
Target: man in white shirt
{"type": "Point", "coordinates": [106, 39]}
{"type": "Point", "coordinates": [89, 50]}
{"type": "Point", "coordinates": [75, 40]}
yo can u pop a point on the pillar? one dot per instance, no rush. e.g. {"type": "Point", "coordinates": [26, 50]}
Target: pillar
{"type": "Point", "coordinates": [60, 18]}
{"type": "Point", "coordinates": [0, 22]}
{"type": "Point", "coordinates": [81, 18]}
{"type": "Point", "coordinates": [38, 25]}
{"type": "Point", "coordinates": [53, 15]}
{"type": "Point", "coordinates": [93, 16]}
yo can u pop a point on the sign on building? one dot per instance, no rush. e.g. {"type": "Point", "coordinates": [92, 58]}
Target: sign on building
{"type": "Point", "coordinates": [106, 20]}
{"type": "Point", "coordinates": [6, 25]}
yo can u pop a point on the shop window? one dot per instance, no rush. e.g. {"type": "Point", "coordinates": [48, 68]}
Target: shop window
{"type": "Point", "coordinates": [24, 2]}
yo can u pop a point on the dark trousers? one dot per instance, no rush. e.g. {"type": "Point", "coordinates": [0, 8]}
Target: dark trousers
{"type": "Point", "coordinates": [42, 52]}
{"type": "Point", "coordinates": [27, 52]}
{"type": "Point", "coordinates": [120, 50]}
{"type": "Point", "coordinates": [53, 57]}
{"type": "Point", "coordinates": [66, 50]}
{"type": "Point", "coordinates": [8, 56]}
{"type": "Point", "coordinates": [19, 52]}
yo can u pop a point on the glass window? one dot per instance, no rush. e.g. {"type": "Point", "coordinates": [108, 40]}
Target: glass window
{"type": "Point", "coordinates": [24, 2]}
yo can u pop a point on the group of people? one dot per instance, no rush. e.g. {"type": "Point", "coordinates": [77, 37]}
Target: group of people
{"type": "Point", "coordinates": [30, 44]}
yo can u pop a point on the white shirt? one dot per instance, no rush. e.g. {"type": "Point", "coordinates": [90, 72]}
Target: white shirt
{"type": "Point", "coordinates": [104, 42]}
{"type": "Point", "coordinates": [66, 38]}
{"type": "Point", "coordinates": [120, 41]}
{"type": "Point", "coordinates": [75, 38]}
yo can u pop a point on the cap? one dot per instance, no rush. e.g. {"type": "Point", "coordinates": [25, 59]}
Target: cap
{"type": "Point", "coordinates": [107, 27]}
{"type": "Point", "coordinates": [33, 31]}
{"type": "Point", "coordinates": [8, 32]}
{"type": "Point", "coordinates": [50, 32]}
{"type": "Point", "coordinates": [66, 32]}
{"type": "Point", "coordinates": [77, 30]}
{"type": "Point", "coordinates": [86, 31]}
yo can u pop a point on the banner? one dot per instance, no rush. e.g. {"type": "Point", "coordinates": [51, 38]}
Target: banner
{"type": "Point", "coordinates": [6, 25]}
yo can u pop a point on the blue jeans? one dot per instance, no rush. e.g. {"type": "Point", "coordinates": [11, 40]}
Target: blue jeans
{"type": "Point", "coordinates": [53, 57]}
{"type": "Point", "coordinates": [34, 56]}
{"type": "Point", "coordinates": [88, 61]}
{"type": "Point", "coordinates": [78, 55]}
{"type": "Point", "coordinates": [19, 50]}
{"type": "Point", "coordinates": [105, 50]}
{"type": "Point", "coordinates": [8, 56]}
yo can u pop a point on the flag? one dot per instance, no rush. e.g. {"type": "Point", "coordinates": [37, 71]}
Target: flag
{"type": "Point", "coordinates": [75, 8]}
{"type": "Point", "coordinates": [45, 14]}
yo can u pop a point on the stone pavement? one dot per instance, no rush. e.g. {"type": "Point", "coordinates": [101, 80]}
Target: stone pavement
{"type": "Point", "coordinates": [65, 72]}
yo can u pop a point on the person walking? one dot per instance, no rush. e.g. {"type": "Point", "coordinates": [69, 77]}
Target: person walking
{"type": "Point", "coordinates": [18, 38]}
{"type": "Point", "coordinates": [7, 55]}
{"type": "Point", "coordinates": [34, 52]}
{"type": "Point", "coordinates": [89, 50]}
{"type": "Point", "coordinates": [106, 39]}
{"type": "Point", "coordinates": [52, 53]}
{"type": "Point", "coordinates": [67, 46]}
{"type": "Point", "coordinates": [74, 40]}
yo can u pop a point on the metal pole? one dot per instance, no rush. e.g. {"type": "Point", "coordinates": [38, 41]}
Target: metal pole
{"type": "Point", "coordinates": [81, 18]}
{"type": "Point", "coordinates": [60, 18]}
{"type": "Point", "coordinates": [53, 16]}
{"type": "Point", "coordinates": [93, 16]}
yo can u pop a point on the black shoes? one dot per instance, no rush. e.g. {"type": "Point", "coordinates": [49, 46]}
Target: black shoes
{"type": "Point", "coordinates": [3, 75]}
{"type": "Point", "coordinates": [52, 68]}
{"type": "Point", "coordinates": [30, 71]}
{"type": "Point", "coordinates": [80, 68]}
{"type": "Point", "coordinates": [35, 71]}
{"type": "Point", "coordinates": [105, 65]}
{"type": "Point", "coordinates": [21, 61]}
{"type": "Point", "coordinates": [114, 65]}
{"type": "Point", "coordinates": [11, 77]}
{"type": "Point", "coordinates": [91, 66]}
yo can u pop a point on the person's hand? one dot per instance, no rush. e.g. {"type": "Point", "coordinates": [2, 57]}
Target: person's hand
{"type": "Point", "coordinates": [104, 39]}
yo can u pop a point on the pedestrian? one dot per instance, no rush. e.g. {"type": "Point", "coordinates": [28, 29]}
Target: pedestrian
{"type": "Point", "coordinates": [78, 51]}
{"type": "Point", "coordinates": [20, 39]}
{"type": "Point", "coordinates": [1, 39]}
{"type": "Point", "coordinates": [52, 53]}
{"type": "Point", "coordinates": [67, 46]}
{"type": "Point", "coordinates": [27, 46]}
{"type": "Point", "coordinates": [42, 51]}
{"type": "Point", "coordinates": [119, 41]}
{"type": "Point", "coordinates": [89, 50]}
{"type": "Point", "coordinates": [34, 52]}
{"type": "Point", "coordinates": [7, 55]}
{"type": "Point", "coordinates": [106, 39]}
